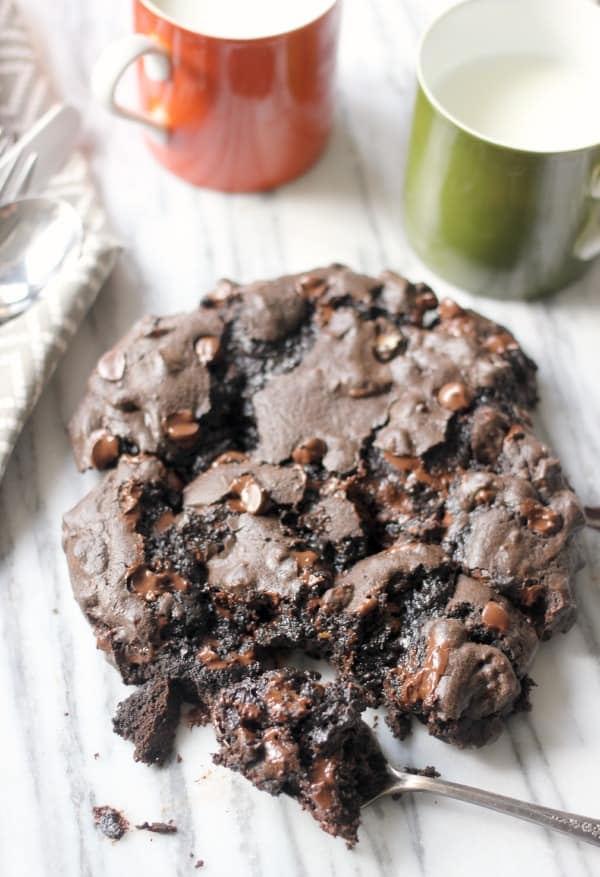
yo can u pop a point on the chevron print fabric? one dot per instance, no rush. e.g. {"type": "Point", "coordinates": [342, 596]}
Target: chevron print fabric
{"type": "Point", "coordinates": [32, 344]}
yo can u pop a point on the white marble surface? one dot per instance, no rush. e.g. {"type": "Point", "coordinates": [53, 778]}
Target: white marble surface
{"type": "Point", "coordinates": [56, 691]}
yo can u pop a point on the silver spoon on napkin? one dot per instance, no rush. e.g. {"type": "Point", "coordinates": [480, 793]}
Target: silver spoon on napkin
{"type": "Point", "coordinates": [38, 238]}
{"type": "Point", "coordinates": [577, 827]}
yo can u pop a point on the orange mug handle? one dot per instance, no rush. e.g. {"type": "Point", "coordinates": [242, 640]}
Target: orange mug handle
{"type": "Point", "coordinates": [112, 65]}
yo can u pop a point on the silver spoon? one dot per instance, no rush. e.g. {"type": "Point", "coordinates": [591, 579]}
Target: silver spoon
{"type": "Point", "coordinates": [579, 827]}
{"type": "Point", "coordinates": [39, 237]}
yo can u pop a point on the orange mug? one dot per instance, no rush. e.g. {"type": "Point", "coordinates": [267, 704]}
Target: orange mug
{"type": "Point", "coordinates": [236, 95]}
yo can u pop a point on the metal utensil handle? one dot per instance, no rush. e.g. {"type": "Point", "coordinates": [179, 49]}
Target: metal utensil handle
{"type": "Point", "coordinates": [580, 827]}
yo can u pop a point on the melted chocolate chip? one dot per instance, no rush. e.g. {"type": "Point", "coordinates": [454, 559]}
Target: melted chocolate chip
{"type": "Point", "coordinates": [368, 388]}
{"type": "Point", "coordinates": [181, 428]}
{"type": "Point", "coordinates": [312, 287]}
{"type": "Point", "coordinates": [311, 451]}
{"type": "Point", "coordinates": [426, 679]}
{"type": "Point", "coordinates": [209, 656]}
{"type": "Point", "coordinates": [388, 345]}
{"type": "Point", "coordinates": [323, 783]}
{"type": "Point", "coordinates": [305, 559]}
{"type": "Point", "coordinates": [207, 349]}
{"type": "Point", "coordinates": [150, 585]}
{"type": "Point", "coordinates": [252, 497]}
{"type": "Point", "coordinates": [230, 457]}
{"type": "Point", "coordinates": [105, 450]}
{"type": "Point", "coordinates": [403, 464]}
{"type": "Point", "coordinates": [541, 519]}
{"type": "Point", "coordinates": [515, 433]}
{"type": "Point", "coordinates": [484, 496]}
{"type": "Point", "coordinates": [494, 615]}
{"type": "Point", "coordinates": [455, 396]}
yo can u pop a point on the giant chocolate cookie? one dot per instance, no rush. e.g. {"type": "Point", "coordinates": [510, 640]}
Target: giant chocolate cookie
{"type": "Point", "coordinates": [328, 462]}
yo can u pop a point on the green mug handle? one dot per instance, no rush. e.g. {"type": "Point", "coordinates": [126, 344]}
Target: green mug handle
{"type": "Point", "coordinates": [587, 245]}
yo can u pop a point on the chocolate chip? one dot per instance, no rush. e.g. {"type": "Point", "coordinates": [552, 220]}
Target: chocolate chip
{"type": "Point", "coordinates": [403, 464]}
{"type": "Point", "coordinates": [105, 450]}
{"type": "Point", "coordinates": [207, 349]}
{"type": "Point", "coordinates": [388, 345]}
{"type": "Point", "coordinates": [368, 606]}
{"type": "Point", "coordinates": [495, 615]}
{"type": "Point", "coordinates": [252, 497]}
{"type": "Point", "coordinates": [311, 287]}
{"type": "Point", "coordinates": [111, 367]}
{"type": "Point", "coordinates": [515, 432]}
{"type": "Point", "coordinates": [426, 299]}
{"type": "Point", "coordinates": [181, 427]}
{"type": "Point", "coordinates": [129, 496]}
{"type": "Point", "coordinates": [150, 585]}
{"type": "Point", "coordinates": [540, 518]}
{"type": "Point", "coordinates": [324, 314]}
{"type": "Point", "coordinates": [369, 388]}
{"type": "Point", "coordinates": [311, 451]}
{"type": "Point", "coordinates": [455, 396]}
{"type": "Point", "coordinates": [222, 291]}
{"type": "Point", "coordinates": [305, 559]}
{"type": "Point", "coordinates": [500, 343]}
{"type": "Point", "coordinates": [230, 457]}
{"type": "Point", "coordinates": [484, 496]}
{"type": "Point", "coordinates": [448, 309]}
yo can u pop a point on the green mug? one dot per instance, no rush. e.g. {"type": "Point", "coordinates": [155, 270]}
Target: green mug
{"type": "Point", "coordinates": [502, 191]}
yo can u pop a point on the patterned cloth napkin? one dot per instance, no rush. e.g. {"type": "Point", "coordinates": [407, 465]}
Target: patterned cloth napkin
{"type": "Point", "coordinates": [32, 344]}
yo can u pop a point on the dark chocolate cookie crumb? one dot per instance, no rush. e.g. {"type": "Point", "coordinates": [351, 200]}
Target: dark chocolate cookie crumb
{"type": "Point", "coordinates": [158, 827]}
{"type": "Point", "coordinates": [428, 771]}
{"type": "Point", "coordinates": [111, 822]}
{"type": "Point", "coordinates": [149, 717]}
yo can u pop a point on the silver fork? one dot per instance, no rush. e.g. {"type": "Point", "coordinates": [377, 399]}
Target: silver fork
{"type": "Point", "coordinates": [578, 827]}
{"type": "Point", "coordinates": [15, 178]}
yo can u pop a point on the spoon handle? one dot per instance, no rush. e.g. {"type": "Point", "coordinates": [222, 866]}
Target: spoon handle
{"type": "Point", "coordinates": [580, 827]}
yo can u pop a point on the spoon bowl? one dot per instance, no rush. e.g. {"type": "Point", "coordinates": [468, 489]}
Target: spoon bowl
{"type": "Point", "coordinates": [39, 237]}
